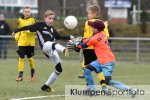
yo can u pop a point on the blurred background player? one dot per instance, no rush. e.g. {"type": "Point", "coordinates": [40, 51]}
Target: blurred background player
{"type": "Point", "coordinates": [4, 30]}
{"type": "Point", "coordinates": [93, 13]}
{"type": "Point", "coordinates": [26, 43]}
{"type": "Point", "coordinates": [47, 35]}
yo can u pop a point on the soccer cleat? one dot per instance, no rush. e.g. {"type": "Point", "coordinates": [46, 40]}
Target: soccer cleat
{"type": "Point", "coordinates": [46, 88]}
{"type": "Point", "coordinates": [19, 79]}
{"type": "Point", "coordinates": [105, 91]}
{"type": "Point", "coordinates": [66, 52]}
{"type": "Point", "coordinates": [82, 76]}
{"type": "Point", "coordinates": [32, 77]}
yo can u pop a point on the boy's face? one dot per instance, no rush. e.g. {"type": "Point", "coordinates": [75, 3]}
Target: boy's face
{"type": "Point", "coordinates": [94, 30]}
{"type": "Point", "coordinates": [27, 13]}
{"type": "Point", "coordinates": [90, 14]}
{"type": "Point", "coordinates": [49, 20]}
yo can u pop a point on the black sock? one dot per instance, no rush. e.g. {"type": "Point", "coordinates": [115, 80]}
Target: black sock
{"type": "Point", "coordinates": [21, 74]}
{"type": "Point", "coordinates": [32, 72]}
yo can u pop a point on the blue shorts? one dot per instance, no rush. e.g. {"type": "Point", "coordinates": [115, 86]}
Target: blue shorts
{"type": "Point", "coordinates": [107, 68]}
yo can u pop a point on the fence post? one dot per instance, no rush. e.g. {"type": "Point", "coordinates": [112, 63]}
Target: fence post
{"type": "Point", "coordinates": [137, 50]}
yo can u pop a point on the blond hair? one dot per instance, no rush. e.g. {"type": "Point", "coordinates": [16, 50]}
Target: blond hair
{"type": "Point", "coordinates": [94, 9]}
{"type": "Point", "coordinates": [26, 7]}
{"type": "Point", "coordinates": [49, 13]}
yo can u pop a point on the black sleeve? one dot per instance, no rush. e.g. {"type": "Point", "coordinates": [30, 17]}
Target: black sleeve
{"type": "Point", "coordinates": [32, 28]}
{"type": "Point", "coordinates": [58, 36]}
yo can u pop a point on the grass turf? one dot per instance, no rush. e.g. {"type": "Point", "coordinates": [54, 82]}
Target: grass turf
{"type": "Point", "coordinates": [129, 73]}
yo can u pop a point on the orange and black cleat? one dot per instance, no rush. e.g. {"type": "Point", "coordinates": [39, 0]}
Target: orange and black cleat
{"type": "Point", "coordinates": [19, 79]}
{"type": "Point", "coordinates": [32, 78]}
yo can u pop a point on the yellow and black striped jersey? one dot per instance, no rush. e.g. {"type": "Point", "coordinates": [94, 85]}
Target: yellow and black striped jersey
{"type": "Point", "coordinates": [25, 38]}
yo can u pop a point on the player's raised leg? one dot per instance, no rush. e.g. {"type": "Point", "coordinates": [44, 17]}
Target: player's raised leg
{"type": "Point", "coordinates": [52, 78]}
{"type": "Point", "coordinates": [62, 49]}
{"type": "Point", "coordinates": [52, 49]}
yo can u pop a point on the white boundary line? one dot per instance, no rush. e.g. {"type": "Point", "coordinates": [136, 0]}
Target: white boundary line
{"type": "Point", "coordinates": [51, 96]}
{"type": "Point", "coordinates": [36, 97]}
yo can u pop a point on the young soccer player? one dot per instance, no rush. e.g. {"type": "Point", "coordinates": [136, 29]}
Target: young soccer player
{"type": "Point", "coordinates": [93, 13]}
{"type": "Point", "coordinates": [105, 58]}
{"type": "Point", "coordinates": [26, 43]}
{"type": "Point", "coordinates": [46, 35]}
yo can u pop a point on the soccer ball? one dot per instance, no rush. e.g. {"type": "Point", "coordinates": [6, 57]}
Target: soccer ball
{"type": "Point", "coordinates": [70, 22]}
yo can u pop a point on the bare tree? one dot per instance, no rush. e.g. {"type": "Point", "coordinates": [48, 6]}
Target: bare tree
{"type": "Point", "coordinates": [48, 4]}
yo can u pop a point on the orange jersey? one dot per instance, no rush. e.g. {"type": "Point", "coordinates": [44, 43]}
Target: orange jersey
{"type": "Point", "coordinates": [101, 47]}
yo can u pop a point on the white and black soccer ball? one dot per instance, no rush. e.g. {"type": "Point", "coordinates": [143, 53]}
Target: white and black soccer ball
{"type": "Point", "coordinates": [70, 22]}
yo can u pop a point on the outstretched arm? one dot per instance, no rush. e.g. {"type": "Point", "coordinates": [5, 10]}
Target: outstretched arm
{"type": "Point", "coordinates": [32, 28]}
{"type": "Point", "coordinates": [82, 45]}
{"type": "Point", "coordinates": [58, 36]}
{"type": "Point", "coordinates": [85, 43]}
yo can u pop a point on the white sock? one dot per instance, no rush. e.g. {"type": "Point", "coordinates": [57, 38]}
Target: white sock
{"type": "Point", "coordinates": [59, 48]}
{"type": "Point", "coordinates": [52, 78]}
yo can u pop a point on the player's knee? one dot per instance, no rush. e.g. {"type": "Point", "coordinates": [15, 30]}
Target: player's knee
{"type": "Point", "coordinates": [53, 46]}
{"type": "Point", "coordinates": [90, 67]}
{"type": "Point", "coordinates": [58, 68]}
{"type": "Point", "coordinates": [107, 79]}
{"type": "Point", "coordinates": [21, 55]}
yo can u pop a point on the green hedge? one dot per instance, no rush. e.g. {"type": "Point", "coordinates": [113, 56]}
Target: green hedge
{"type": "Point", "coordinates": [13, 23]}
{"type": "Point", "coordinates": [129, 30]}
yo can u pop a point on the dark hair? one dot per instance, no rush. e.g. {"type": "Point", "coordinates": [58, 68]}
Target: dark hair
{"type": "Point", "coordinates": [97, 24]}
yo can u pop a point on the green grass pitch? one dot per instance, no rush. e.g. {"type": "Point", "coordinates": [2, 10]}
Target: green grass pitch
{"type": "Point", "coordinates": [129, 73]}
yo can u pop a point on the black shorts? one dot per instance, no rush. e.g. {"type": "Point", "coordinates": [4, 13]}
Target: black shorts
{"type": "Point", "coordinates": [89, 56]}
{"type": "Point", "coordinates": [26, 50]}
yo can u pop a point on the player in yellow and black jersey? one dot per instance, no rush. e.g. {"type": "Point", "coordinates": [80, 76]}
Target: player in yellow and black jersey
{"type": "Point", "coordinates": [26, 43]}
{"type": "Point", "coordinates": [93, 13]}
